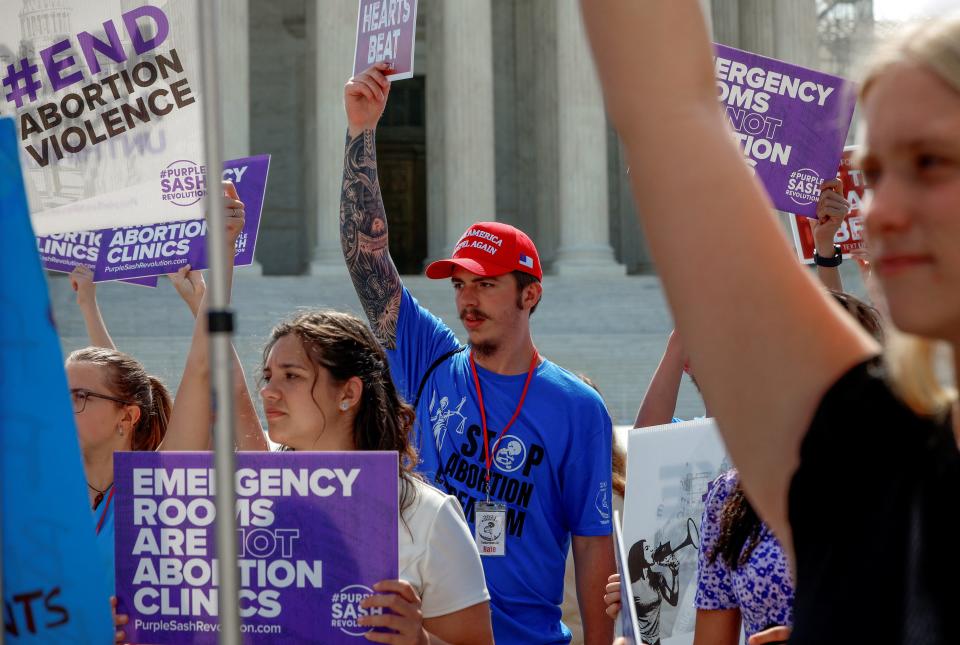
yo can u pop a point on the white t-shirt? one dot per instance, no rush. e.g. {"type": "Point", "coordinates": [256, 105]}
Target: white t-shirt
{"type": "Point", "coordinates": [438, 555]}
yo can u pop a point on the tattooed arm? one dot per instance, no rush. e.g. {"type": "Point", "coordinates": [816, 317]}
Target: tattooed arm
{"type": "Point", "coordinates": [363, 222]}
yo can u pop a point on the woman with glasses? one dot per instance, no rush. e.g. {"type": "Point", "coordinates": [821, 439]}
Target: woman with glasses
{"type": "Point", "coordinates": [117, 406]}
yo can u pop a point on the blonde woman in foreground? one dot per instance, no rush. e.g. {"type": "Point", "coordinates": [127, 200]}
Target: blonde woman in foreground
{"type": "Point", "coordinates": [852, 461]}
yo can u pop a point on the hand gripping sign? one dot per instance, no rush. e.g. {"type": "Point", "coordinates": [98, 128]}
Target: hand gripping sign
{"type": "Point", "coordinates": [315, 530]}
{"type": "Point", "coordinates": [850, 236]}
{"type": "Point", "coordinates": [789, 121]}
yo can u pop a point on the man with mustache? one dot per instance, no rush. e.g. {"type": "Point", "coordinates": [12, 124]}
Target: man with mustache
{"type": "Point", "coordinates": [534, 451]}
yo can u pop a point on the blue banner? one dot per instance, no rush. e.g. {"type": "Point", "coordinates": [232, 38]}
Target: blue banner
{"type": "Point", "coordinates": [55, 582]}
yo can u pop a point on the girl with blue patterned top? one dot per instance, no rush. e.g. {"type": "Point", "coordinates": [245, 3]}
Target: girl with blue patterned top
{"type": "Point", "coordinates": [743, 574]}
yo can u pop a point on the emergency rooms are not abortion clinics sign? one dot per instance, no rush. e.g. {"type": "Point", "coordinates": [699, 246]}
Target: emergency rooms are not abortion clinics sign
{"type": "Point", "coordinates": [790, 122]}
{"type": "Point", "coordinates": [315, 532]}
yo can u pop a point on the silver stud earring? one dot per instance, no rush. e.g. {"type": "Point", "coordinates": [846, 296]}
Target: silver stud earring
{"type": "Point", "coordinates": [344, 405]}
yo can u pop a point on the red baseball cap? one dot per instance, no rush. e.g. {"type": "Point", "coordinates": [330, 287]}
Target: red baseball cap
{"type": "Point", "coordinates": [490, 249]}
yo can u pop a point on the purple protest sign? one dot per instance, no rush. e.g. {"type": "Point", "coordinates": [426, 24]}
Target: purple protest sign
{"type": "Point", "coordinates": [386, 31]}
{"type": "Point", "coordinates": [156, 249]}
{"type": "Point", "coordinates": [791, 123]}
{"type": "Point", "coordinates": [315, 531]}
{"type": "Point", "coordinates": [63, 252]}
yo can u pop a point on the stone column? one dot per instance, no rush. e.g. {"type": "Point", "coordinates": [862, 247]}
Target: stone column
{"type": "Point", "coordinates": [460, 136]}
{"type": "Point", "coordinates": [331, 39]}
{"type": "Point", "coordinates": [756, 26]}
{"type": "Point", "coordinates": [726, 22]}
{"type": "Point", "coordinates": [583, 192]}
{"type": "Point", "coordinates": [235, 77]}
{"type": "Point", "coordinates": [795, 29]}
{"type": "Point", "coordinates": [234, 61]}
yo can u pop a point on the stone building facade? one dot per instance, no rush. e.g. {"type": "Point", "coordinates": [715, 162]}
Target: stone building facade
{"type": "Point", "coordinates": [503, 120]}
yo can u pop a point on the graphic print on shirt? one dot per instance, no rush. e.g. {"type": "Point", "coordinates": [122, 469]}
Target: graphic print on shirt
{"type": "Point", "coordinates": [462, 473]}
{"type": "Point", "coordinates": [510, 453]}
{"type": "Point", "coordinates": [444, 418]}
{"type": "Point", "coordinates": [602, 501]}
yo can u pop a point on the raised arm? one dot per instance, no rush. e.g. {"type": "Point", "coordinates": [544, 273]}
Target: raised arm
{"type": "Point", "coordinates": [660, 400]}
{"type": "Point", "coordinates": [832, 209]}
{"type": "Point", "coordinates": [82, 282]}
{"type": "Point", "coordinates": [766, 341]}
{"type": "Point", "coordinates": [190, 421]}
{"type": "Point", "coordinates": [363, 221]}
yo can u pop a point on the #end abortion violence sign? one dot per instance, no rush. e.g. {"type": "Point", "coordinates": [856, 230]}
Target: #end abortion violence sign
{"type": "Point", "coordinates": [790, 122]}
{"type": "Point", "coordinates": [386, 31]}
{"type": "Point", "coordinates": [850, 236]}
{"type": "Point", "coordinates": [102, 109]}
{"type": "Point", "coordinates": [132, 253]}
{"type": "Point", "coordinates": [315, 532]}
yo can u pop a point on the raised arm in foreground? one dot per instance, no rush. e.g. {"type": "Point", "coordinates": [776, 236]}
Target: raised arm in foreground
{"type": "Point", "coordinates": [363, 221]}
{"type": "Point", "coordinates": [765, 339]}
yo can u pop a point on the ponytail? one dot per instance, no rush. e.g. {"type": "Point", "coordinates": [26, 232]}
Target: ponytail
{"type": "Point", "coordinates": [152, 426]}
{"type": "Point", "coordinates": [128, 380]}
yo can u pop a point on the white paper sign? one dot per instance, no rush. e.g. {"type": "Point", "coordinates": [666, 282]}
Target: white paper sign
{"type": "Point", "coordinates": [669, 469]}
{"type": "Point", "coordinates": [106, 98]}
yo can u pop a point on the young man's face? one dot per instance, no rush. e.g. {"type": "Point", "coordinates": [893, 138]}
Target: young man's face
{"type": "Point", "coordinates": [491, 309]}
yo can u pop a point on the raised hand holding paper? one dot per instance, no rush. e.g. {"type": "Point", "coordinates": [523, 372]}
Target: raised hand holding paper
{"type": "Point", "coordinates": [386, 31]}
{"type": "Point", "coordinates": [850, 236]}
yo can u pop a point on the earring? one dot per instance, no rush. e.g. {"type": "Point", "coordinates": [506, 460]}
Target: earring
{"type": "Point", "coordinates": [120, 430]}
{"type": "Point", "coordinates": [344, 405]}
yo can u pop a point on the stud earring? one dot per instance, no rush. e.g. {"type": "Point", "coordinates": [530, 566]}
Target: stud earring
{"type": "Point", "coordinates": [120, 430]}
{"type": "Point", "coordinates": [344, 405]}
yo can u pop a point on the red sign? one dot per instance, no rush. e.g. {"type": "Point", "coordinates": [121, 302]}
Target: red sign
{"type": "Point", "coordinates": [386, 31]}
{"type": "Point", "coordinates": [850, 235]}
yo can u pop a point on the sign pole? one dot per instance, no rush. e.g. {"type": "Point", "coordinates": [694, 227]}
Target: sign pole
{"type": "Point", "coordinates": [220, 327]}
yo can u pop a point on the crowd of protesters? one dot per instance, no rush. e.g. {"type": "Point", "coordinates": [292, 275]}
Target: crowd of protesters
{"type": "Point", "coordinates": [864, 410]}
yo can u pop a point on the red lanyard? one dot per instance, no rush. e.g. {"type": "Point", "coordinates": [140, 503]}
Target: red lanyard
{"type": "Point", "coordinates": [487, 450]}
{"type": "Point", "coordinates": [106, 507]}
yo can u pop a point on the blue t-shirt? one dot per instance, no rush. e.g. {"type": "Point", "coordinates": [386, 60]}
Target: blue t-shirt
{"type": "Point", "coordinates": [551, 469]}
{"type": "Point", "coordinates": [103, 517]}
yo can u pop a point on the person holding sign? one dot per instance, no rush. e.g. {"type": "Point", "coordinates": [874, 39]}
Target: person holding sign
{"type": "Point", "coordinates": [326, 387]}
{"type": "Point", "coordinates": [116, 406]}
{"type": "Point", "coordinates": [805, 407]}
{"type": "Point", "coordinates": [523, 444]}
{"type": "Point", "coordinates": [832, 209]}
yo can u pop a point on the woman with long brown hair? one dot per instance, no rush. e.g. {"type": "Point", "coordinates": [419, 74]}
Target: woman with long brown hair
{"type": "Point", "coordinates": [326, 386]}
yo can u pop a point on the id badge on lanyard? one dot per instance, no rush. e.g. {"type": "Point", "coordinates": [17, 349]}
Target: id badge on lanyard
{"type": "Point", "coordinates": [491, 528]}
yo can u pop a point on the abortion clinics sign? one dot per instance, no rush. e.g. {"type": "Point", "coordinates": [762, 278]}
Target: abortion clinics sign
{"type": "Point", "coordinates": [850, 235]}
{"type": "Point", "coordinates": [155, 249]}
{"type": "Point", "coordinates": [106, 100]}
{"type": "Point", "coordinates": [790, 122]}
{"type": "Point", "coordinates": [315, 531]}
{"type": "Point", "coordinates": [386, 31]}
{"type": "Point", "coordinates": [671, 468]}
